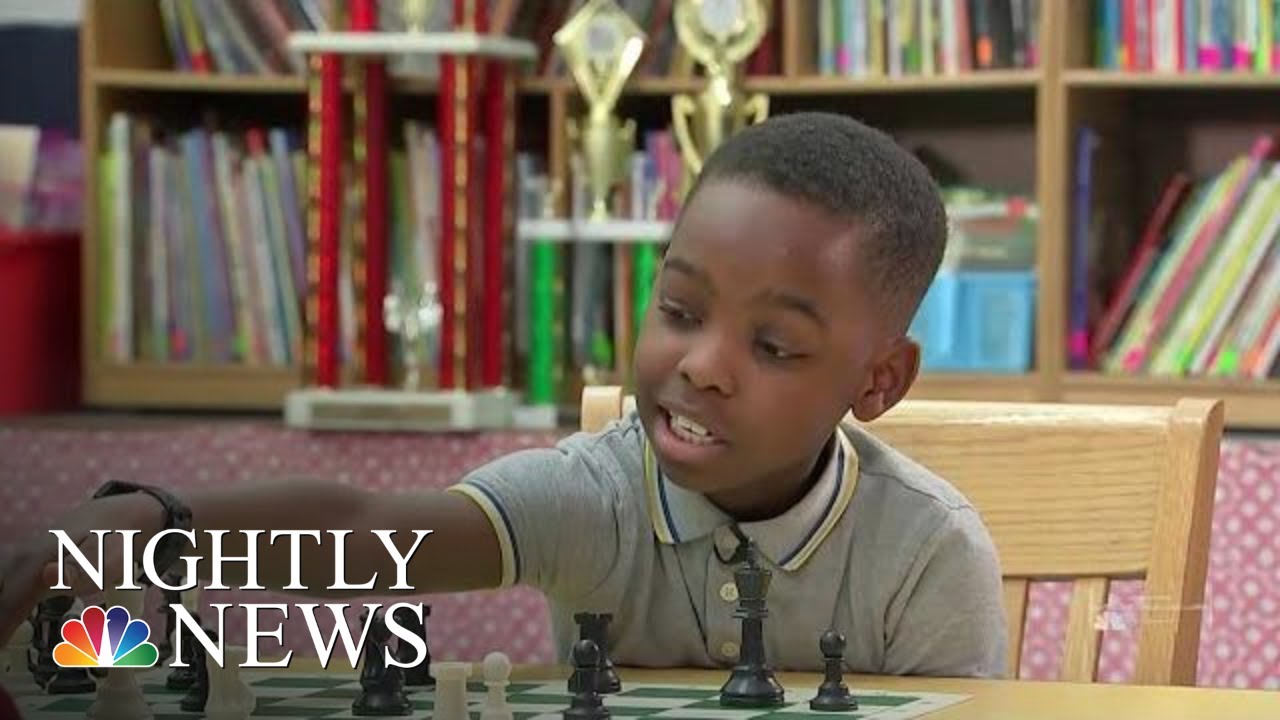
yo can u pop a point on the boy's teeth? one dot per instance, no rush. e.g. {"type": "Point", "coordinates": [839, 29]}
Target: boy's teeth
{"type": "Point", "coordinates": [689, 430]}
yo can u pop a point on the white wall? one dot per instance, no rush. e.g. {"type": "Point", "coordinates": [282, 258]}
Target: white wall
{"type": "Point", "coordinates": [39, 12]}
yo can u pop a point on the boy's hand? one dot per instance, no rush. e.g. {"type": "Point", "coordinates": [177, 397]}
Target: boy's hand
{"type": "Point", "coordinates": [28, 573]}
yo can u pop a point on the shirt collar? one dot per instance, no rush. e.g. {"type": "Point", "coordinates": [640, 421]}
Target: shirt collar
{"type": "Point", "coordinates": [679, 515]}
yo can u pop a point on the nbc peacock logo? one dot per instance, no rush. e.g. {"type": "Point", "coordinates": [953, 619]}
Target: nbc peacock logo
{"type": "Point", "coordinates": [105, 639]}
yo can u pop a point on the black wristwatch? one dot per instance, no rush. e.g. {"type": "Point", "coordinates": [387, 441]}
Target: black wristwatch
{"type": "Point", "coordinates": [177, 516]}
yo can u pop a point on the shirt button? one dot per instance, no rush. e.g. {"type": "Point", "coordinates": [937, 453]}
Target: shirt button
{"type": "Point", "coordinates": [729, 649]}
{"type": "Point", "coordinates": [729, 592]}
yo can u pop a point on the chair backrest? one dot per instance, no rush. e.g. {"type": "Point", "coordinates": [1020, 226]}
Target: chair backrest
{"type": "Point", "coordinates": [1089, 493]}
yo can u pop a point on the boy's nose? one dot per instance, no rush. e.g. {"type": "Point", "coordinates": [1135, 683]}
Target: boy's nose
{"type": "Point", "coordinates": [706, 366]}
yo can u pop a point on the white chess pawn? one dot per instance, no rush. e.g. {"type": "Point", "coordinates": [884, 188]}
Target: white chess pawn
{"type": "Point", "coordinates": [15, 657]}
{"type": "Point", "coordinates": [230, 698]}
{"type": "Point", "coordinates": [451, 690]}
{"type": "Point", "coordinates": [119, 696]}
{"type": "Point", "coordinates": [497, 671]}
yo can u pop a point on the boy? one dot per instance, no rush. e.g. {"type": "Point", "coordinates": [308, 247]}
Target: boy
{"type": "Point", "coordinates": [782, 304]}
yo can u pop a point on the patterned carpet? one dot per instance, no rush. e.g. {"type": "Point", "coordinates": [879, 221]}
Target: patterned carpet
{"type": "Point", "coordinates": [45, 467]}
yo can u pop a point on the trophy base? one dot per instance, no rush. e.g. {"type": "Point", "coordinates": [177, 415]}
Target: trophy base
{"type": "Point", "coordinates": [389, 410]}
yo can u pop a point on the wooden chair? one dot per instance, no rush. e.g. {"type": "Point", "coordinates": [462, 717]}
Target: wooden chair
{"type": "Point", "coordinates": [1089, 493]}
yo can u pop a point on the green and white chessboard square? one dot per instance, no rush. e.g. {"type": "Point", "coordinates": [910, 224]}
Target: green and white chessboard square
{"type": "Point", "coordinates": [329, 696]}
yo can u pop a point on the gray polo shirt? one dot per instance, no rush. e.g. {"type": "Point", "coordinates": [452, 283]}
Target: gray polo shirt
{"type": "Point", "coordinates": [880, 549]}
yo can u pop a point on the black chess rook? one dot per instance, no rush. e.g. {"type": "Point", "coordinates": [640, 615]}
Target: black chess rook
{"type": "Point", "coordinates": [833, 695]}
{"type": "Point", "coordinates": [595, 627]}
{"type": "Point", "coordinates": [48, 632]}
{"type": "Point", "coordinates": [587, 703]}
{"type": "Point", "coordinates": [752, 684]}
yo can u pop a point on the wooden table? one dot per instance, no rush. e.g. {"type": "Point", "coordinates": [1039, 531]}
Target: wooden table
{"type": "Point", "coordinates": [1012, 699]}
{"type": "Point", "coordinates": [989, 699]}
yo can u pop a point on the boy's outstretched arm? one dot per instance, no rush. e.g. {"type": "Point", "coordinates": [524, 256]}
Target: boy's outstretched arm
{"type": "Point", "coordinates": [460, 553]}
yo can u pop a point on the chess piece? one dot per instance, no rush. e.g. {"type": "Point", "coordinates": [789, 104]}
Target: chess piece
{"type": "Point", "coordinates": [419, 675]}
{"type": "Point", "coordinates": [497, 672]}
{"type": "Point", "coordinates": [170, 598]}
{"type": "Point", "coordinates": [71, 680]}
{"type": "Point", "coordinates": [230, 698]}
{"type": "Point", "coordinates": [752, 683]}
{"type": "Point", "coordinates": [595, 627]}
{"type": "Point", "coordinates": [16, 660]}
{"type": "Point", "coordinates": [586, 703]}
{"type": "Point", "coordinates": [198, 694]}
{"type": "Point", "coordinates": [833, 695]}
{"type": "Point", "coordinates": [381, 685]}
{"type": "Point", "coordinates": [119, 696]}
{"type": "Point", "coordinates": [48, 633]}
{"type": "Point", "coordinates": [451, 690]}
{"type": "Point", "coordinates": [182, 678]}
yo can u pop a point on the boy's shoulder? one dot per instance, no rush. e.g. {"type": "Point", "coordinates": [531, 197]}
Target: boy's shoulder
{"type": "Point", "coordinates": [892, 471]}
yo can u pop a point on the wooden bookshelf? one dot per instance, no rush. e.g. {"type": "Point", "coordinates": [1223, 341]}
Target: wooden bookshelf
{"type": "Point", "coordinates": [964, 84]}
{"type": "Point", "coordinates": [1191, 82]}
{"type": "Point", "coordinates": [217, 387]}
{"type": "Point", "coordinates": [1012, 128]}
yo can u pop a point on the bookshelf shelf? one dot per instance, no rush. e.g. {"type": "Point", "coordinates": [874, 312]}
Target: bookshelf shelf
{"type": "Point", "coordinates": [176, 81]}
{"type": "Point", "coordinates": [221, 387]}
{"type": "Point", "coordinates": [836, 85]}
{"type": "Point", "coordinates": [1169, 81]}
{"type": "Point", "coordinates": [1249, 403]}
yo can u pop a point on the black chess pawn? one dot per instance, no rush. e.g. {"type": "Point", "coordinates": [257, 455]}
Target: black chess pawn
{"type": "Point", "coordinates": [183, 678]}
{"type": "Point", "coordinates": [198, 694]}
{"type": "Point", "coordinates": [381, 686]}
{"type": "Point", "coordinates": [586, 703]}
{"type": "Point", "coordinates": [70, 680]}
{"type": "Point", "coordinates": [833, 695]}
{"type": "Point", "coordinates": [418, 675]}
{"type": "Point", "coordinates": [752, 683]}
{"type": "Point", "coordinates": [595, 627]}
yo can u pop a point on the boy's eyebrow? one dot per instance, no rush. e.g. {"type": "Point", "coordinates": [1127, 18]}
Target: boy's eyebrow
{"type": "Point", "coordinates": [795, 302]}
{"type": "Point", "coordinates": [687, 268]}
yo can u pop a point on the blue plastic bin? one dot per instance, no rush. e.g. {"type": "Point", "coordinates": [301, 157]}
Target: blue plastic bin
{"type": "Point", "coordinates": [978, 321]}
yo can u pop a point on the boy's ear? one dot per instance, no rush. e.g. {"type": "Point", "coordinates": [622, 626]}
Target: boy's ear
{"type": "Point", "coordinates": [889, 377]}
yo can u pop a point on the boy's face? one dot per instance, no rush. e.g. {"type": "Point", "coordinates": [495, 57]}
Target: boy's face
{"type": "Point", "coordinates": [759, 337]}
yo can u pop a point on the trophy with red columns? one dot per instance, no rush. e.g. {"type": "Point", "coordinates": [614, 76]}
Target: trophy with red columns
{"type": "Point", "coordinates": [457, 313]}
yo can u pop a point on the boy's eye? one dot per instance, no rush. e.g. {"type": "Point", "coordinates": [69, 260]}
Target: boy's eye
{"type": "Point", "coordinates": [677, 314]}
{"type": "Point", "coordinates": [774, 351]}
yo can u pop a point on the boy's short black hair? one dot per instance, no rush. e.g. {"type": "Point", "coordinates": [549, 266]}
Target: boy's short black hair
{"type": "Point", "coordinates": [851, 171]}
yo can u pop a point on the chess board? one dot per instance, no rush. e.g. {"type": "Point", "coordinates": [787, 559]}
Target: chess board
{"type": "Point", "coordinates": [304, 696]}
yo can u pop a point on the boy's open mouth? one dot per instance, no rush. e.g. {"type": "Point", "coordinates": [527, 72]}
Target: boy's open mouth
{"type": "Point", "coordinates": [684, 439]}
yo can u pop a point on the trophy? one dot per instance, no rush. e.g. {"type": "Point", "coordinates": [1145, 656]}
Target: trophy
{"type": "Point", "coordinates": [415, 320]}
{"type": "Point", "coordinates": [601, 45]}
{"type": "Point", "coordinates": [416, 14]}
{"type": "Point", "coordinates": [719, 34]}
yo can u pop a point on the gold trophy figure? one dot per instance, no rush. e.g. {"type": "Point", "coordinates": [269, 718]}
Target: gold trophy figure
{"type": "Point", "coordinates": [601, 45]}
{"type": "Point", "coordinates": [719, 34]}
{"type": "Point", "coordinates": [417, 13]}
